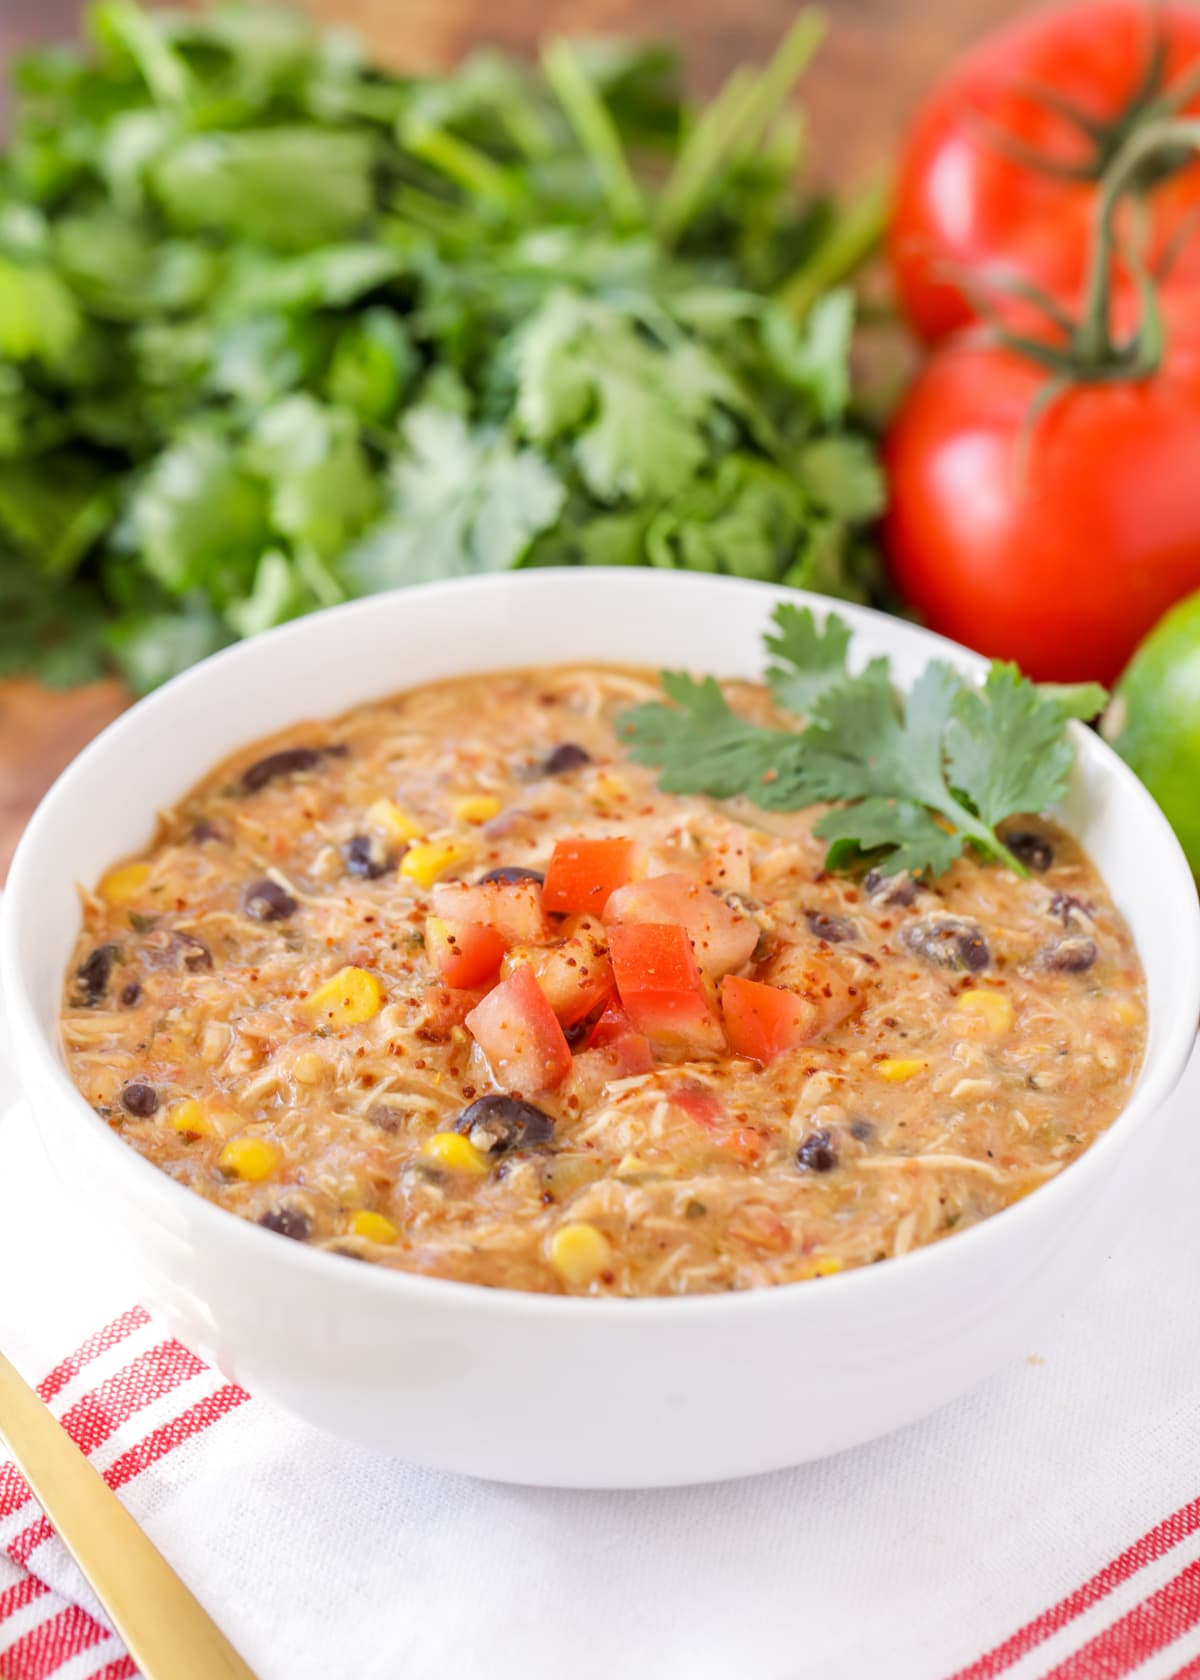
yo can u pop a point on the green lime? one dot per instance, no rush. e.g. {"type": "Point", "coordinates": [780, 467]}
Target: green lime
{"type": "Point", "coordinates": [1154, 719]}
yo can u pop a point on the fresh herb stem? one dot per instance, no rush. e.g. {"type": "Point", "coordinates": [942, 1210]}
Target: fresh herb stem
{"type": "Point", "coordinates": [460, 162]}
{"type": "Point", "coordinates": [594, 129]}
{"type": "Point", "coordinates": [851, 240]}
{"type": "Point", "coordinates": [163, 71]}
{"type": "Point", "coordinates": [701, 155]}
{"type": "Point", "coordinates": [732, 125]}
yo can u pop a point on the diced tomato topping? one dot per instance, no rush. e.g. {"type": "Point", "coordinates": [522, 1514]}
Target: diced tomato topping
{"type": "Point", "coordinates": [661, 987]}
{"type": "Point", "coordinates": [464, 953]}
{"type": "Point", "coordinates": [520, 1035]}
{"type": "Point", "coordinates": [819, 981]}
{"type": "Point", "coordinates": [574, 973]}
{"type": "Point", "coordinates": [446, 1007]}
{"type": "Point", "coordinates": [621, 1058]}
{"type": "Point", "coordinates": [512, 908]}
{"type": "Point", "coordinates": [723, 939]}
{"type": "Point", "coordinates": [614, 1023]}
{"type": "Point", "coordinates": [583, 874]}
{"type": "Point", "coordinates": [764, 1022]}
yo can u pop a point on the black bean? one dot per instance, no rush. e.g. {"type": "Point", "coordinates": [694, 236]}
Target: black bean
{"type": "Point", "coordinates": [95, 972]}
{"type": "Point", "coordinates": [289, 762]}
{"type": "Point", "coordinates": [498, 1124]}
{"type": "Point", "coordinates": [289, 1222]}
{"type": "Point", "coordinates": [862, 1131]}
{"type": "Point", "coordinates": [948, 942]}
{"type": "Point", "coordinates": [1074, 913]}
{"type": "Point", "coordinates": [1030, 848]}
{"type": "Point", "coordinates": [131, 994]}
{"type": "Point", "coordinates": [891, 891]}
{"type": "Point", "coordinates": [513, 872]}
{"type": "Point", "coordinates": [694, 1210]}
{"type": "Point", "coordinates": [834, 929]}
{"type": "Point", "coordinates": [1073, 955]}
{"type": "Point", "coordinates": [567, 756]}
{"type": "Point", "coordinates": [204, 830]}
{"type": "Point", "coordinates": [266, 901]}
{"type": "Point", "coordinates": [193, 953]}
{"type": "Point", "coordinates": [366, 857]}
{"type": "Point", "coordinates": [387, 1118]}
{"type": "Point", "coordinates": [140, 1100]}
{"type": "Point", "coordinates": [816, 1153]}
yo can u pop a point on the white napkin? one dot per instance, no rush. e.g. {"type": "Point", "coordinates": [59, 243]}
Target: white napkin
{"type": "Point", "coordinates": [906, 1560]}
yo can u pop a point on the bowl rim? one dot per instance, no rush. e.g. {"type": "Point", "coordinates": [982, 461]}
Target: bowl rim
{"type": "Point", "coordinates": [1157, 1076]}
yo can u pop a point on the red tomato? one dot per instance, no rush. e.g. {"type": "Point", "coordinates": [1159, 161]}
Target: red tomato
{"type": "Point", "coordinates": [661, 987]}
{"type": "Point", "coordinates": [519, 1034]}
{"type": "Point", "coordinates": [962, 204]}
{"type": "Point", "coordinates": [1058, 543]}
{"type": "Point", "coordinates": [464, 953]}
{"type": "Point", "coordinates": [613, 1024]}
{"type": "Point", "coordinates": [722, 939]}
{"type": "Point", "coordinates": [764, 1022]}
{"type": "Point", "coordinates": [445, 1007]}
{"type": "Point", "coordinates": [584, 873]}
{"type": "Point", "coordinates": [513, 908]}
{"type": "Point", "coordinates": [575, 973]}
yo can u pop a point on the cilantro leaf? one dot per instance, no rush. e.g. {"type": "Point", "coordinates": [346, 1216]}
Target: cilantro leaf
{"type": "Point", "coordinates": [1076, 700]}
{"type": "Point", "coordinates": [636, 409]}
{"type": "Point", "coordinates": [907, 834]}
{"type": "Point", "coordinates": [322, 490]}
{"type": "Point", "coordinates": [813, 655]}
{"type": "Point", "coordinates": [462, 502]}
{"type": "Point", "coordinates": [701, 742]}
{"type": "Point", "coordinates": [913, 780]}
{"type": "Point", "coordinates": [813, 357]}
{"type": "Point", "coordinates": [1006, 746]}
{"type": "Point", "coordinates": [202, 519]}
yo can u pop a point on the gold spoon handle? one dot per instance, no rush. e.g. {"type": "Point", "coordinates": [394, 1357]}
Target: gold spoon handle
{"type": "Point", "coordinates": [168, 1634]}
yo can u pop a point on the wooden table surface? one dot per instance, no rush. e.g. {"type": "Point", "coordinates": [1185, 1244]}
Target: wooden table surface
{"type": "Point", "coordinates": [878, 57]}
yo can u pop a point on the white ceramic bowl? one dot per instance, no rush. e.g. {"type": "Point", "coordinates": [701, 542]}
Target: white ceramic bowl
{"type": "Point", "coordinates": [550, 1389]}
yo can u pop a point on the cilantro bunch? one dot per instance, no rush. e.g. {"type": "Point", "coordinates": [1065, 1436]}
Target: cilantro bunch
{"type": "Point", "coordinates": [913, 780]}
{"type": "Point", "coordinates": [279, 327]}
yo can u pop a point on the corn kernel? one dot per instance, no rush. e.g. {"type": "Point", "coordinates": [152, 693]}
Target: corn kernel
{"type": "Point", "coordinates": [606, 787]}
{"type": "Point", "coordinates": [429, 859]}
{"type": "Point", "coordinates": [579, 1253]}
{"type": "Point", "coordinates": [827, 1266]}
{"type": "Point", "coordinates": [351, 997]}
{"type": "Point", "coordinates": [993, 1007]}
{"type": "Point", "coordinates": [250, 1158]}
{"type": "Point", "coordinates": [392, 820]}
{"type": "Point", "coordinates": [373, 1226]}
{"type": "Point", "coordinates": [633, 1165]}
{"type": "Point", "coordinates": [896, 1069]}
{"type": "Point", "coordinates": [1128, 1011]}
{"type": "Point", "coordinates": [477, 808]}
{"type": "Point", "coordinates": [189, 1119]}
{"type": "Point", "coordinates": [122, 886]}
{"type": "Point", "coordinates": [452, 1150]}
{"type": "Point", "coordinates": [308, 1068]}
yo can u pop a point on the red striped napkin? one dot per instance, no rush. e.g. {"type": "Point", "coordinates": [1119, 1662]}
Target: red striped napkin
{"type": "Point", "coordinates": [1047, 1526]}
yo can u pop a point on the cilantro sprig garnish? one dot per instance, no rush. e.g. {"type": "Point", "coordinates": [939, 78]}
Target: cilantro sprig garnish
{"type": "Point", "coordinates": [913, 779]}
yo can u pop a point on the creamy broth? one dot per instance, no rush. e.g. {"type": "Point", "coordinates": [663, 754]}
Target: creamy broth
{"type": "Point", "coordinates": [259, 1005]}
